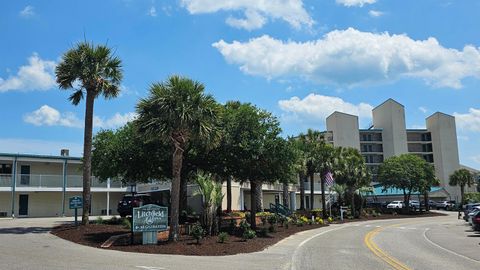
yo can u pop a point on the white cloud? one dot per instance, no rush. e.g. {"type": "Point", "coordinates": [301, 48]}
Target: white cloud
{"type": "Point", "coordinates": [152, 12]}
{"type": "Point", "coordinates": [353, 58]}
{"type": "Point", "coordinates": [256, 12]}
{"type": "Point", "coordinates": [41, 147]}
{"type": "Point", "coordinates": [37, 75]}
{"type": "Point", "coordinates": [253, 20]}
{"type": "Point", "coordinates": [318, 107]}
{"type": "Point", "coordinates": [28, 11]}
{"type": "Point", "coordinates": [48, 116]}
{"type": "Point", "coordinates": [468, 121]}
{"type": "Point", "coordinates": [375, 13]}
{"type": "Point", "coordinates": [355, 3]}
{"type": "Point", "coordinates": [423, 109]}
{"type": "Point", "coordinates": [115, 121]}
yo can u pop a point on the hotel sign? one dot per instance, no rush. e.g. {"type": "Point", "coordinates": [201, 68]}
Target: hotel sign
{"type": "Point", "coordinates": [150, 218]}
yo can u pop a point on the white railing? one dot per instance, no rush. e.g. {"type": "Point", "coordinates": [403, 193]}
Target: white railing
{"type": "Point", "coordinates": [316, 186]}
{"type": "Point", "coordinates": [5, 180]}
{"type": "Point", "coordinates": [52, 181]}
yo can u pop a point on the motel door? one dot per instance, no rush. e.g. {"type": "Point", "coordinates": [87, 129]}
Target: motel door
{"type": "Point", "coordinates": [23, 205]}
{"type": "Point", "coordinates": [25, 175]}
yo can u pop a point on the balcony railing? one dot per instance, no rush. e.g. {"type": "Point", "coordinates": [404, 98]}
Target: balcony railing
{"type": "Point", "coordinates": [52, 181]}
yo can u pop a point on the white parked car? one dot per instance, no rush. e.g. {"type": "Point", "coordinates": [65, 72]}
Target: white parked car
{"type": "Point", "coordinates": [395, 204]}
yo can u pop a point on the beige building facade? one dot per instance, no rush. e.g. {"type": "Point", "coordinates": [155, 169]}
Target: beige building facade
{"type": "Point", "coordinates": [388, 136]}
{"type": "Point", "coordinates": [40, 186]}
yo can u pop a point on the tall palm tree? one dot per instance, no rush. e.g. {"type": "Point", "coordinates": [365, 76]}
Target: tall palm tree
{"type": "Point", "coordinates": [461, 178]}
{"type": "Point", "coordinates": [90, 71]}
{"type": "Point", "coordinates": [310, 144]}
{"type": "Point", "coordinates": [350, 170]}
{"type": "Point", "coordinates": [179, 111]}
{"type": "Point", "coordinates": [325, 159]}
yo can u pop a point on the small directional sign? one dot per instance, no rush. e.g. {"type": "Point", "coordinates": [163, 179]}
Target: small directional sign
{"type": "Point", "coordinates": [75, 202]}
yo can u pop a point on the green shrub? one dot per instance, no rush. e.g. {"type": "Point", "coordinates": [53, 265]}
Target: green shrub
{"type": "Point", "coordinates": [114, 221]}
{"type": "Point", "coordinates": [197, 232]}
{"type": "Point", "coordinates": [126, 223]}
{"type": "Point", "coordinates": [248, 234]}
{"type": "Point", "coordinates": [272, 228]}
{"type": "Point", "coordinates": [330, 219]}
{"type": "Point", "coordinates": [263, 232]}
{"type": "Point", "coordinates": [222, 237]}
{"type": "Point", "coordinates": [273, 219]}
{"type": "Point", "coordinates": [99, 220]}
{"type": "Point", "coordinates": [264, 220]}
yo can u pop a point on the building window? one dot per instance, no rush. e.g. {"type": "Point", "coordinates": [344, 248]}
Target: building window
{"type": "Point", "coordinates": [5, 169]}
{"type": "Point", "coordinates": [426, 137]}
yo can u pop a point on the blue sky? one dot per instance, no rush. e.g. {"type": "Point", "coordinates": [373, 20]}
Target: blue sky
{"type": "Point", "coordinates": [298, 59]}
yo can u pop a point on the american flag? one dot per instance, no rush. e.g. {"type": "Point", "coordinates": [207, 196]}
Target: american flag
{"type": "Point", "coordinates": [329, 181]}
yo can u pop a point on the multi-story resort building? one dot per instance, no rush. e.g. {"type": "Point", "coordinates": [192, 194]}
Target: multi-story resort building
{"type": "Point", "coordinates": [34, 185]}
{"type": "Point", "coordinates": [388, 136]}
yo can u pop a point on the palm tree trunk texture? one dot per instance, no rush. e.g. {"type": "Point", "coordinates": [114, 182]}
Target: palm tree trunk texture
{"type": "Point", "coordinates": [253, 204]}
{"type": "Point", "coordinates": [426, 201]}
{"type": "Point", "coordinates": [285, 195]}
{"type": "Point", "coordinates": [87, 156]}
{"type": "Point", "coordinates": [462, 193]}
{"type": "Point", "coordinates": [312, 191]}
{"type": "Point", "coordinates": [183, 194]}
{"type": "Point", "coordinates": [259, 199]}
{"type": "Point", "coordinates": [324, 204]}
{"type": "Point", "coordinates": [229, 194]}
{"type": "Point", "coordinates": [175, 190]}
{"type": "Point", "coordinates": [302, 191]}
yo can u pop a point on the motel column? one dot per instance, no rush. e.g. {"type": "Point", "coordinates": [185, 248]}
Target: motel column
{"type": "Point", "coordinates": [14, 180]}
{"type": "Point", "coordinates": [64, 187]}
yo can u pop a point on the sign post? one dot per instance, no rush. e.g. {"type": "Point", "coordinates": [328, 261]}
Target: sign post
{"type": "Point", "coordinates": [75, 203]}
{"type": "Point", "coordinates": [149, 219]}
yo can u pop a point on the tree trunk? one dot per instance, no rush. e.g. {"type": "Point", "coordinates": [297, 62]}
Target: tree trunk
{"type": "Point", "coordinates": [302, 191]}
{"type": "Point", "coordinates": [259, 199]}
{"type": "Point", "coordinates": [462, 193]}
{"type": "Point", "coordinates": [253, 204]}
{"type": "Point", "coordinates": [324, 204]}
{"type": "Point", "coordinates": [312, 190]}
{"type": "Point", "coordinates": [285, 195]}
{"type": "Point", "coordinates": [175, 189]}
{"type": "Point", "coordinates": [87, 157]}
{"type": "Point", "coordinates": [183, 201]}
{"type": "Point", "coordinates": [229, 194]}
{"type": "Point", "coordinates": [426, 201]}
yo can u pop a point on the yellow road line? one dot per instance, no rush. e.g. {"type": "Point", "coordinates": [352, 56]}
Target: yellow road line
{"type": "Point", "coordinates": [393, 262]}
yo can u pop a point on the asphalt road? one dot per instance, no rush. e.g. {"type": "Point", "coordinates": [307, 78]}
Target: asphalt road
{"type": "Point", "coordinates": [421, 243]}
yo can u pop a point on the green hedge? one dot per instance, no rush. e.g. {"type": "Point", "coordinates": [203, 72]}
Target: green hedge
{"type": "Point", "coordinates": [472, 197]}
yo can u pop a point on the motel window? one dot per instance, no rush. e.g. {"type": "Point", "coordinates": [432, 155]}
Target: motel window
{"type": "Point", "coordinates": [5, 169]}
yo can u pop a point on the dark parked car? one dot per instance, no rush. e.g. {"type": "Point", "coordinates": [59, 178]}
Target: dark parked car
{"type": "Point", "coordinates": [476, 221]}
{"type": "Point", "coordinates": [127, 203]}
{"type": "Point", "coordinates": [467, 208]}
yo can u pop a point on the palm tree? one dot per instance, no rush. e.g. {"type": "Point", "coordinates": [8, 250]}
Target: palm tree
{"type": "Point", "coordinates": [310, 143]}
{"type": "Point", "coordinates": [325, 159]}
{"type": "Point", "coordinates": [350, 170]}
{"type": "Point", "coordinates": [90, 71]}
{"type": "Point", "coordinates": [179, 111]}
{"type": "Point", "coordinates": [461, 178]}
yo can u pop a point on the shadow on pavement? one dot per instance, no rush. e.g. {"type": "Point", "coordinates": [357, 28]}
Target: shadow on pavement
{"type": "Point", "coordinates": [24, 230]}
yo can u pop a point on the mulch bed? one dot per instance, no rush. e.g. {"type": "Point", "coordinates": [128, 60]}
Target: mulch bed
{"type": "Point", "coordinates": [95, 235]}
